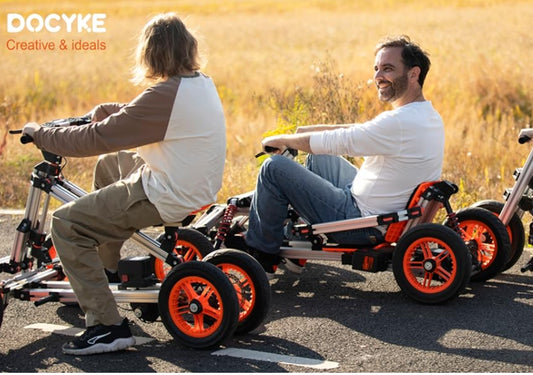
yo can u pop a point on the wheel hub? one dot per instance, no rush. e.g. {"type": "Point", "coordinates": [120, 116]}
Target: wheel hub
{"type": "Point", "coordinates": [472, 245]}
{"type": "Point", "coordinates": [195, 307]}
{"type": "Point", "coordinates": [429, 265]}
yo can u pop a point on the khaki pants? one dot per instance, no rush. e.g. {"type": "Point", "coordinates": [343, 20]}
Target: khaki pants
{"type": "Point", "coordinates": [88, 232]}
{"type": "Point", "coordinates": [109, 169]}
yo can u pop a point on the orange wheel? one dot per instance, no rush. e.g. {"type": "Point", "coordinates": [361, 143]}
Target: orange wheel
{"type": "Point", "coordinates": [198, 305]}
{"type": "Point", "coordinates": [431, 263]}
{"type": "Point", "coordinates": [244, 288]}
{"type": "Point", "coordinates": [487, 240]}
{"type": "Point", "coordinates": [515, 230]}
{"type": "Point", "coordinates": [191, 245]}
{"type": "Point", "coordinates": [250, 283]}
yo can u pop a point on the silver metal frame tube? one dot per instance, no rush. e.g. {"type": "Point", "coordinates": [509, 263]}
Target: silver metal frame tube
{"type": "Point", "coordinates": [520, 186]}
{"type": "Point", "coordinates": [18, 251]}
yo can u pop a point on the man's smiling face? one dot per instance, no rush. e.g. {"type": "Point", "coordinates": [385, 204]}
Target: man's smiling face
{"type": "Point", "coordinates": [390, 74]}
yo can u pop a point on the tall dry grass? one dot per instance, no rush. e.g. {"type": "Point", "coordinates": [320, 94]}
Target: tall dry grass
{"type": "Point", "coordinates": [278, 64]}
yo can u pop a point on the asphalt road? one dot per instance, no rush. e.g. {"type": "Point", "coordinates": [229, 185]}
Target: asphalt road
{"type": "Point", "coordinates": [330, 319]}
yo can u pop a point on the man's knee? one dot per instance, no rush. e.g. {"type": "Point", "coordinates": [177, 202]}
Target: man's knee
{"type": "Point", "coordinates": [69, 231]}
{"type": "Point", "coordinates": [61, 212]}
{"type": "Point", "coordinates": [106, 171]}
{"type": "Point", "coordinates": [60, 228]}
{"type": "Point", "coordinates": [106, 159]}
{"type": "Point", "coordinates": [278, 161]}
{"type": "Point", "coordinates": [275, 163]}
{"type": "Point", "coordinates": [62, 220]}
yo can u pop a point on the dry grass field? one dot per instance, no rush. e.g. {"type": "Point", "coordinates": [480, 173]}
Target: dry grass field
{"type": "Point", "coordinates": [280, 63]}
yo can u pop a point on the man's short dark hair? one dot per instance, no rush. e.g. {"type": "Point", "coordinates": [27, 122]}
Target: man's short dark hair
{"type": "Point", "coordinates": [412, 54]}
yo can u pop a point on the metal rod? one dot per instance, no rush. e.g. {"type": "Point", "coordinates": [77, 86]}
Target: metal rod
{"type": "Point", "coordinates": [121, 296]}
{"type": "Point", "coordinates": [337, 226]}
{"type": "Point", "coordinates": [152, 245]}
{"type": "Point", "coordinates": [522, 182]}
{"type": "Point", "coordinates": [19, 250]}
{"type": "Point", "coordinates": [75, 189]}
{"type": "Point", "coordinates": [208, 220]}
{"type": "Point", "coordinates": [62, 194]}
{"type": "Point", "coordinates": [35, 276]}
{"type": "Point", "coordinates": [305, 253]}
{"type": "Point", "coordinates": [44, 212]}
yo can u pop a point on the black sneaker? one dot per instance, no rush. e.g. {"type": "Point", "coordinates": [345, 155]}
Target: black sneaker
{"type": "Point", "coordinates": [235, 242]}
{"type": "Point", "coordinates": [101, 339]}
{"type": "Point", "coordinates": [268, 261]}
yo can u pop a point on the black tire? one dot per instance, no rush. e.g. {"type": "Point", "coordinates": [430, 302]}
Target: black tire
{"type": "Point", "coordinates": [250, 283]}
{"type": "Point", "coordinates": [191, 245]}
{"type": "Point", "coordinates": [431, 263]}
{"type": "Point", "coordinates": [487, 240]}
{"type": "Point", "coordinates": [198, 305]}
{"type": "Point", "coordinates": [515, 230]}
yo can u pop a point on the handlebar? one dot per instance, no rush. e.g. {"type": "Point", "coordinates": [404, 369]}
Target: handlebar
{"type": "Point", "coordinates": [525, 135]}
{"type": "Point", "coordinates": [288, 152]}
{"type": "Point", "coordinates": [23, 138]}
{"type": "Point", "coordinates": [70, 121]}
{"type": "Point", "coordinates": [26, 139]}
{"type": "Point", "coordinates": [523, 139]}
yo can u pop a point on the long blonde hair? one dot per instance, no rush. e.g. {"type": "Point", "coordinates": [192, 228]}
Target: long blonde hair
{"type": "Point", "coordinates": [165, 49]}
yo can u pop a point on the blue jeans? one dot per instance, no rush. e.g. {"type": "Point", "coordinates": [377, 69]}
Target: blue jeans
{"type": "Point", "coordinates": [318, 192]}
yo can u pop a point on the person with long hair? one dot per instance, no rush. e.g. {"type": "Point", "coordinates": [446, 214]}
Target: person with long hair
{"type": "Point", "coordinates": [177, 127]}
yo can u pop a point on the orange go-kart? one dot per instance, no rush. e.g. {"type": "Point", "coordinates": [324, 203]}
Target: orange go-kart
{"type": "Point", "coordinates": [202, 297]}
{"type": "Point", "coordinates": [432, 262]}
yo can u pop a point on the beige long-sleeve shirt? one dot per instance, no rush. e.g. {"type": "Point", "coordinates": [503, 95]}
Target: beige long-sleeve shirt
{"type": "Point", "coordinates": [178, 128]}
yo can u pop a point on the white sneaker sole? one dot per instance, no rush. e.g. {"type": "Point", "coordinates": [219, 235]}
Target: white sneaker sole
{"type": "Point", "coordinates": [292, 267]}
{"type": "Point", "coordinates": [118, 344]}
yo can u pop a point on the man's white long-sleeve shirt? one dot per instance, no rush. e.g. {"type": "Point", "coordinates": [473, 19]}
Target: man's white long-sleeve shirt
{"type": "Point", "coordinates": [401, 148]}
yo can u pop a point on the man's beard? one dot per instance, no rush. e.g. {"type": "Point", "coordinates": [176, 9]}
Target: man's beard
{"type": "Point", "coordinates": [395, 90]}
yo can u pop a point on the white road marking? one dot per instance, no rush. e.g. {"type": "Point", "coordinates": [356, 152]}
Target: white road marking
{"type": "Point", "coordinates": [277, 358]}
{"type": "Point", "coordinates": [9, 211]}
{"type": "Point", "coordinates": [230, 352]}
{"type": "Point", "coordinates": [73, 331]}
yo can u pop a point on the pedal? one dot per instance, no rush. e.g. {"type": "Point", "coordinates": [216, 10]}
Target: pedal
{"type": "Point", "coordinates": [52, 297]}
{"type": "Point", "coordinates": [367, 260]}
{"type": "Point", "coordinates": [136, 272]}
{"type": "Point", "coordinates": [528, 266]}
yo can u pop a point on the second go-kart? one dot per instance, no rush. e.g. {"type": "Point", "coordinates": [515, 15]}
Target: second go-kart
{"type": "Point", "coordinates": [518, 201]}
{"type": "Point", "coordinates": [431, 262]}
